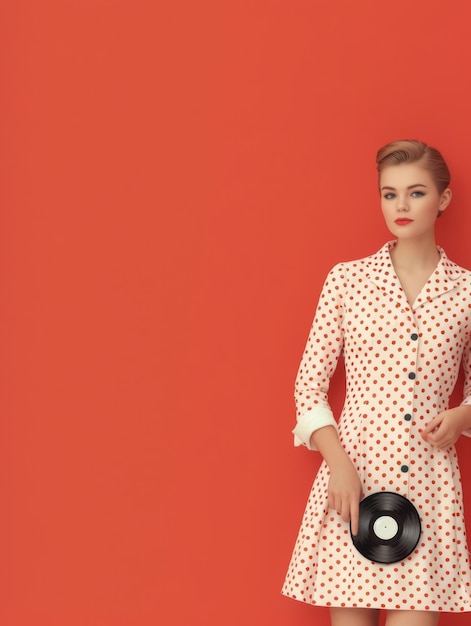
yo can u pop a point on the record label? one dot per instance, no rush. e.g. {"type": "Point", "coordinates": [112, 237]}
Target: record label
{"type": "Point", "coordinates": [388, 529]}
{"type": "Point", "coordinates": [385, 527]}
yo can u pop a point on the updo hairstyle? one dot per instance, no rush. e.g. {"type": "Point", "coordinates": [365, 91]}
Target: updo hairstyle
{"type": "Point", "coordinates": [412, 151]}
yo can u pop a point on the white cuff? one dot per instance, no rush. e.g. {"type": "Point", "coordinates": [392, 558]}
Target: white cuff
{"type": "Point", "coordinates": [311, 421]}
{"type": "Point", "coordinates": [466, 402]}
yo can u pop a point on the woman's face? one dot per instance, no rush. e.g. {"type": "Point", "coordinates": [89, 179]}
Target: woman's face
{"type": "Point", "coordinates": [410, 200]}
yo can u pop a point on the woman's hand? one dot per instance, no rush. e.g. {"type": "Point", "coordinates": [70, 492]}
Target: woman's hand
{"type": "Point", "coordinates": [345, 492]}
{"type": "Point", "coordinates": [445, 429]}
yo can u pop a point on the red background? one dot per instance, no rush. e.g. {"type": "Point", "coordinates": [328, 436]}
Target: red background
{"type": "Point", "coordinates": [176, 180]}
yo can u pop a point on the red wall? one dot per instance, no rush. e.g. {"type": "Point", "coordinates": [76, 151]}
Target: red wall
{"type": "Point", "coordinates": [176, 179]}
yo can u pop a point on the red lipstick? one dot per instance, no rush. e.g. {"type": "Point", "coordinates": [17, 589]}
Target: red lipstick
{"type": "Point", "coordinates": [402, 221]}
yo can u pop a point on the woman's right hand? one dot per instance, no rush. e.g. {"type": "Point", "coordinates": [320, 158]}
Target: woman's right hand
{"type": "Point", "coordinates": [345, 492]}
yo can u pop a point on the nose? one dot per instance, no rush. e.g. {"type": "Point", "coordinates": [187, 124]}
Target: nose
{"type": "Point", "coordinates": [402, 204]}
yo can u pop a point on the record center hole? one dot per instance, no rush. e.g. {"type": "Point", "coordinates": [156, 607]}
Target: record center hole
{"type": "Point", "coordinates": [385, 527]}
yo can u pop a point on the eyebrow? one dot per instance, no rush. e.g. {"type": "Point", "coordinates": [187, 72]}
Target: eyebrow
{"type": "Point", "coordinates": [410, 187]}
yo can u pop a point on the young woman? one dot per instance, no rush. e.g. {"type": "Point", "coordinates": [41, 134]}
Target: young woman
{"type": "Point", "coordinates": [402, 318]}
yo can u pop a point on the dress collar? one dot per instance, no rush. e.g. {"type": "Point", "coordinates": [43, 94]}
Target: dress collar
{"type": "Point", "coordinates": [381, 272]}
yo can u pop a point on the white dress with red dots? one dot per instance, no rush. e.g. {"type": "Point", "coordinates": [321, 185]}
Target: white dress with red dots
{"type": "Point", "coordinates": [401, 366]}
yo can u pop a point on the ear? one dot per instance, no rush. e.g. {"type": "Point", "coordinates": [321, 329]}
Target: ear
{"type": "Point", "coordinates": [445, 200]}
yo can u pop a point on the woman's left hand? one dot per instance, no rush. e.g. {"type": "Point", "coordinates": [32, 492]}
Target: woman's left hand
{"type": "Point", "coordinates": [445, 429]}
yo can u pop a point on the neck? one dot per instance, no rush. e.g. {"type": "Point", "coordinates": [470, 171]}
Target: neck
{"type": "Point", "coordinates": [410, 253]}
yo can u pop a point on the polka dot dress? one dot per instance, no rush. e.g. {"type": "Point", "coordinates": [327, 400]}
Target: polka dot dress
{"type": "Point", "coordinates": [401, 365]}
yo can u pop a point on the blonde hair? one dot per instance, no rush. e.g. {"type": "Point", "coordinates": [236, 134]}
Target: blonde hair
{"type": "Point", "coordinates": [412, 151]}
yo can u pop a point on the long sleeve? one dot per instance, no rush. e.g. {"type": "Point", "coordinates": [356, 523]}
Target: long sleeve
{"type": "Point", "coordinates": [466, 363]}
{"type": "Point", "coordinates": [320, 360]}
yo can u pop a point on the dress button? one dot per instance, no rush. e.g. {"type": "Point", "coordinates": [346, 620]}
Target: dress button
{"type": "Point", "coordinates": [411, 375]}
{"type": "Point", "coordinates": [404, 468]}
{"type": "Point", "coordinates": [414, 336]}
{"type": "Point", "coordinates": [408, 417]}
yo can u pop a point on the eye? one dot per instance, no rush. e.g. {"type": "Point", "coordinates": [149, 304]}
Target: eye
{"type": "Point", "coordinates": [389, 195]}
{"type": "Point", "coordinates": [417, 194]}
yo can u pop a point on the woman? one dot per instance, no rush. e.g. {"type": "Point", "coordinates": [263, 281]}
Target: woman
{"type": "Point", "coordinates": [402, 318]}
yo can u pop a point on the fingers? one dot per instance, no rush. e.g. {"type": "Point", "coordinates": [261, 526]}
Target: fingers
{"type": "Point", "coordinates": [344, 492]}
{"type": "Point", "coordinates": [436, 443]}
{"type": "Point", "coordinates": [332, 502]}
{"type": "Point", "coordinates": [345, 512]}
{"type": "Point", "coordinates": [441, 433]}
{"type": "Point", "coordinates": [354, 515]}
{"type": "Point", "coordinates": [347, 508]}
{"type": "Point", "coordinates": [441, 443]}
{"type": "Point", "coordinates": [435, 434]}
{"type": "Point", "coordinates": [431, 426]}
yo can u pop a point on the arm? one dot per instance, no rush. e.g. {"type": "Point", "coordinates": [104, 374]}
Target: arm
{"type": "Point", "coordinates": [445, 429]}
{"type": "Point", "coordinates": [320, 360]}
{"type": "Point", "coordinates": [316, 427]}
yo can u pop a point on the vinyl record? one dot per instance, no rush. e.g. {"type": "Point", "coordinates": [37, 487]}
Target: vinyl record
{"type": "Point", "coordinates": [388, 529]}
